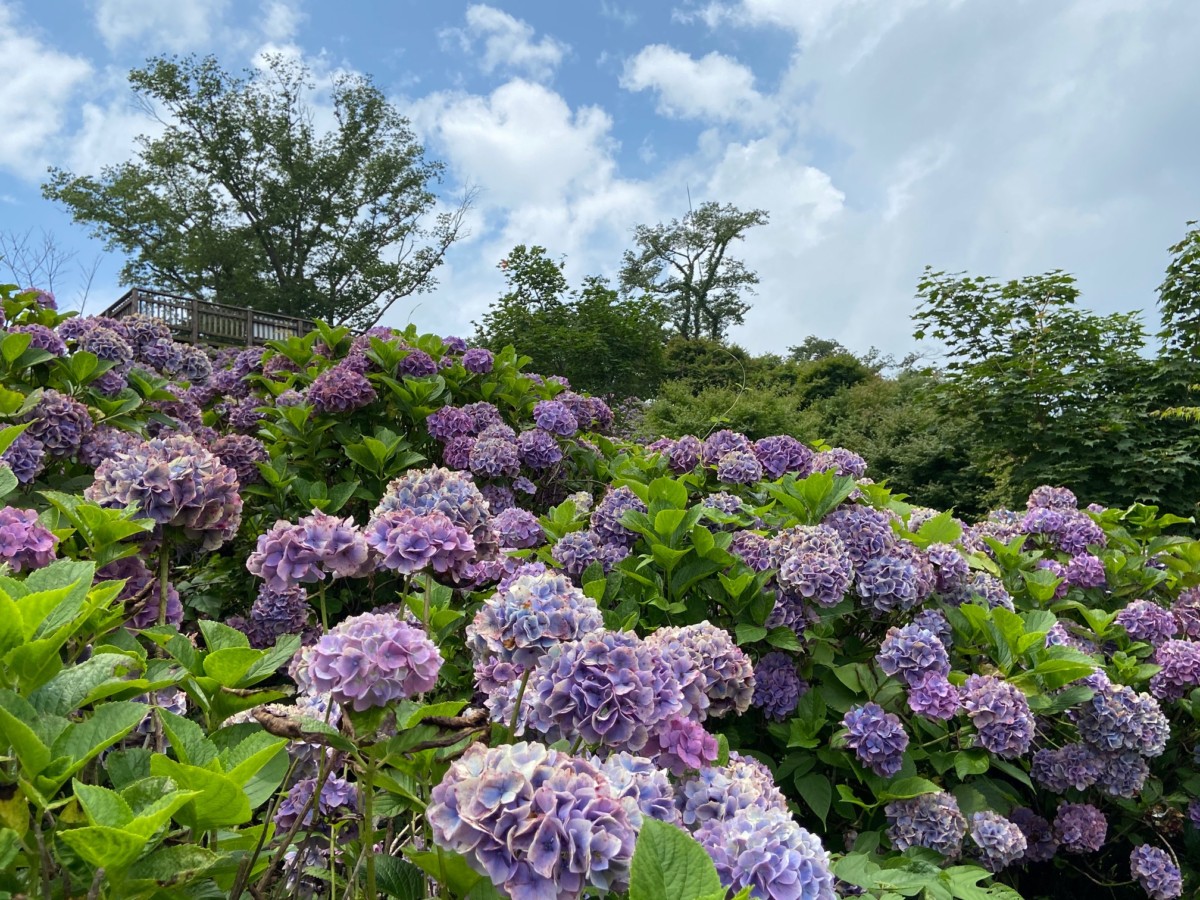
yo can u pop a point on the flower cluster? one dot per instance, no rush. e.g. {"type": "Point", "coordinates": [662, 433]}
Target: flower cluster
{"type": "Point", "coordinates": [642, 787]}
{"type": "Point", "coordinates": [176, 483]}
{"type": "Point", "coordinates": [371, 660]}
{"type": "Point", "coordinates": [877, 738]}
{"type": "Point", "coordinates": [537, 822]}
{"type": "Point", "coordinates": [1155, 872]}
{"type": "Point", "coordinates": [554, 417]}
{"type": "Point", "coordinates": [606, 517]}
{"type": "Point", "coordinates": [766, 851]}
{"type": "Point", "coordinates": [777, 686]}
{"type": "Point", "coordinates": [814, 563]}
{"type": "Point", "coordinates": [408, 542]}
{"type": "Point", "coordinates": [451, 493]}
{"type": "Point", "coordinates": [242, 453]}
{"type": "Point", "coordinates": [1080, 827]}
{"type": "Point", "coordinates": [932, 820]}
{"type": "Point", "coordinates": [340, 389]}
{"type": "Point", "coordinates": [1180, 669]}
{"type": "Point", "coordinates": [933, 696]}
{"type": "Point", "coordinates": [726, 675]}
{"type": "Point", "coordinates": [59, 422]}
{"type": "Point", "coordinates": [26, 456]}
{"type": "Point", "coordinates": [142, 593]}
{"type": "Point", "coordinates": [1040, 843]}
{"type": "Point", "coordinates": [24, 542]}
{"type": "Point", "coordinates": [783, 454]}
{"type": "Point", "coordinates": [683, 744]}
{"type": "Point", "coordinates": [910, 652]}
{"type": "Point", "coordinates": [338, 799]}
{"type": "Point", "coordinates": [721, 792]}
{"type": "Point", "coordinates": [303, 553]}
{"type": "Point", "coordinates": [739, 467]}
{"type": "Point", "coordinates": [1000, 842]}
{"type": "Point", "coordinates": [578, 550]}
{"type": "Point", "coordinates": [1144, 620]}
{"type": "Point", "coordinates": [1000, 713]}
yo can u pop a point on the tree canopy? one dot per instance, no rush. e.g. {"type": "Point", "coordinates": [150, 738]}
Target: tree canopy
{"type": "Point", "coordinates": [685, 264]}
{"type": "Point", "coordinates": [244, 200]}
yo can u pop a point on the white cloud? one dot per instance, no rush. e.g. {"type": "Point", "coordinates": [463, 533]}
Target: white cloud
{"type": "Point", "coordinates": [38, 84]}
{"type": "Point", "coordinates": [280, 20]}
{"type": "Point", "coordinates": [160, 24]}
{"type": "Point", "coordinates": [714, 87]}
{"type": "Point", "coordinates": [625, 15]}
{"type": "Point", "coordinates": [508, 43]}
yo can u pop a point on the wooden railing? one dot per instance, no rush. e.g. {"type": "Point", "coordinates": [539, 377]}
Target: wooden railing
{"type": "Point", "coordinates": [203, 322]}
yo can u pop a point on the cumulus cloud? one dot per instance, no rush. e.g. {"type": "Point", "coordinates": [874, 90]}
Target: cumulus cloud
{"type": "Point", "coordinates": [176, 27]}
{"type": "Point", "coordinates": [508, 44]}
{"type": "Point", "coordinates": [714, 87]}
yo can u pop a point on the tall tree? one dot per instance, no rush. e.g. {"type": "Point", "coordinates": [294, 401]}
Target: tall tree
{"type": "Point", "coordinates": [242, 199]}
{"type": "Point", "coordinates": [686, 265]}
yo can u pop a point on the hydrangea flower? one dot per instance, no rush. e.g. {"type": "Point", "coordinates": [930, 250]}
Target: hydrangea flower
{"type": "Point", "coordinates": [911, 651]}
{"type": "Point", "coordinates": [641, 786]}
{"type": "Point", "coordinates": [538, 823]}
{"type": "Point", "coordinates": [371, 660]}
{"type": "Point", "coordinates": [274, 614]}
{"type": "Point", "coordinates": [609, 688]}
{"type": "Point", "coordinates": [418, 364]}
{"type": "Point", "coordinates": [44, 299]}
{"type": "Point", "coordinates": [538, 449]}
{"type": "Point", "coordinates": [901, 578]}
{"type": "Point", "coordinates": [950, 568]}
{"type": "Point", "coordinates": [26, 456]}
{"type": "Point", "coordinates": [1117, 718]}
{"type": "Point", "coordinates": [42, 338]}
{"type": "Point", "coordinates": [142, 593]}
{"type": "Point", "coordinates": [518, 528]}
{"type": "Point", "coordinates": [340, 389]}
{"type": "Point", "coordinates": [554, 417]}
{"type": "Point", "coordinates": [194, 365]}
{"type": "Point", "coordinates": [877, 738]}
{"type": "Point", "coordinates": [1180, 672]}
{"type": "Point", "coordinates": [934, 620]}
{"type": "Point", "coordinates": [684, 744]}
{"type": "Point", "coordinates": [457, 452]}
{"type": "Point", "coordinates": [338, 799]}
{"type": "Point", "coordinates": [1071, 766]}
{"type": "Point", "coordinates": [717, 444]}
{"type": "Point", "coordinates": [176, 483]}
{"type": "Point", "coordinates": [1040, 845]}
{"type": "Point", "coordinates": [813, 563]}
{"type": "Point", "coordinates": [933, 696]}
{"type": "Point", "coordinates": [766, 851]}
{"type": "Point", "coordinates": [1000, 842]}
{"type": "Point", "coordinates": [1049, 497]}
{"type": "Point", "coordinates": [865, 532]}
{"type": "Point", "coordinates": [60, 422]}
{"type": "Point", "coordinates": [1186, 610]}
{"type": "Point", "coordinates": [498, 497]}
{"type": "Point", "coordinates": [288, 554]}
{"type": "Point", "coordinates": [1000, 713]}
{"type": "Point", "coordinates": [24, 542]}
{"type": "Point", "coordinates": [1155, 872]}
{"type": "Point", "coordinates": [781, 454]}
{"type": "Point", "coordinates": [577, 550]}
{"type": "Point", "coordinates": [933, 821]}
{"type": "Point", "coordinates": [986, 587]}
{"type": "Point", "coordinates": [407, 542]}
{"type": "Point", "coordinates": [1086, 571]}
{"type": "Point", "coordinates": [727, 675]}
{"type": "Point", "coordinates": [484, 414]}
{"type": "Point", "coordinates": [242, 453]}
{"type": "Point", "coordinates": [777, 686]}
{"type": "Point", "coordinates": [721, 792]}
{"type": "Point", "coordinates": [105, 343]}
{"type": "Point", "coordinates": [449, 422]}
{"type": "Point", "coordinates": [104, 442]}
{"type": "Point", "coordinates": [1080, 827]}
{"type": "Point", "coordinates": [684, 454]}
{"type": "Point", "coordinates": [1144, 620]}
{"type": "Point", "coordinates": [529, 613]}
{"type": "Point", "coordinates": [478, 360]}
{"type": "Point", "coordinates": [452, 493]}
{"type": "Point", "coordinates": [841, 462]}
{"type": "Point", "coordinates": [739, 467]}
{"type": "Point", "coordinates": [606, 517]}
{"type": "Point", "coordinates": [494, 458]}
{"type": "Point", "coordinates": [1124, 774]}
{"type": "Point", "coordinates": [752, 549]}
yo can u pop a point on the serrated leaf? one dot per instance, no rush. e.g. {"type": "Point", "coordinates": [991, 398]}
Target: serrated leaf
{"type": "Point", "coordinates": [668, 864]}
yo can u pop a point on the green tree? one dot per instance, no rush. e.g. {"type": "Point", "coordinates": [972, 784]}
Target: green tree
{"type": "Point", "coordinates": [242, 200]}
{"type": "Point", "coordinates": [602, 343]}
{"type": "Point", "coordinates": [685, 264]}
{"type": "Point", "coordinates": [813, 348]}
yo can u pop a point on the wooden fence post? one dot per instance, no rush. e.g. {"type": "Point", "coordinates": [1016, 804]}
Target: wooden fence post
{"type": "Point", "coordinates": [133, 301]}
{"type": "Point", "coordinates": [249, 325]}
{"type": "Point", "coordinates": [195, 311]}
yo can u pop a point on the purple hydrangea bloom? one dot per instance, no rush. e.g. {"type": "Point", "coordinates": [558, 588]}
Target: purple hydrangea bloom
{"type": "Point", "coordinates": [418, 364]}
{"type": "Point", "coordinates": [339, 799]}
{"type": "Point", "coordinates": [683, 744]}
{"type": "Point", "coordinates": [538, 449]}
{"type": "Point", "coordinates": [538, 823]}
{"type": "Point", "coordinates": [1071, 766]}
{"type": "Point", "coordinates": [606, 517]}
{"type": "Point", "coordinates": [1145, 620]}
{"type": "Point", "coordinates": [42, 338]}
{"type": "Point", "coordinates": [1180, 672]}
{"type": "Point", "coordinates": [1000, 713]}
{"type": "Point", "coordinates": [452, 493]}
{"type": "Point", "coordinates": [554, 417]}
{"type": "Point", "coordinates": [373, 659]}
{"type": "Point", "coordinates": [950, 567]}
{"type": "Point", "coordinates": [932, 821]}
{"type": "Point", "coordinates": [877, 738]}
{"type": "Point", "coordinates": [498, 497]}
{"type": "Point", "coordinates": [518, 528]}
{"type": "Point", "coordinates": [721, 792]}
{"type": "Point", "coordinates": [1124, 774]}
{"type": "Point", "coordinates": [1117, 718]}
{"type": "Point", "coordinates": [274, 614]}
{"type": "Point", "coordinates": [724, 503]}
{"type": "Point", "coordinates": [610, 688]}
{"type": "Point", "coordinates": [24, 542]}
{"type": "Point", "coordinates": [727, 675]}
{"type": "Point", "coordinates": [766, 851]}
{"type": "Point", "coordinates": [478, 360]}
{"type": "Point", "coordinates": [283, 558]}
{"type": "Point", "coordinates": [1085, 571]}
{"type": "Point", "coordinates": [494, 458]}
{"type": "Point", "coordinates": [44, 299]}
{"type": "Point", "coordinates": [60, 422]}
{"type": "Point", "coordinates": [457, 452]}
{"type": "Point", "coordinates": [933, 696]}
{"type": "Point", "coordinates": [684, 454]}
{"type": "Point", "coordinates": [1080, 532]}
{"type": "Point", "coordinates": [484, 414]}
{"type": "Point", "coordinates": [739, 467]}
{"type": "Point", "coordinates": [26, 456]}
{"type": "Point", "coordinates": [1000, 842]}
{"type": "Point", "coordinates": [1059, 636]}
{"type": "Point", "coordinates": [407, 542]}
{"type": "Point", "coordinates": [455, 344]}
{"type": "Point", "coordinates": [641, 786]}
{"type": "Point", "coordinates": [752, 549]}
{"type": "Point", "coordinates": [866, 532]}
{"type": "Point", "coordinates": [242, 453]}
{"type": "Point", "coordinates": [901, 578]}
{"type": "Point", "coordinates": [1155, 872]}
{"type": "Point", "coordinates": [1040, 845]}
{"type": "Point", "coordinates": [105, 343]}
{"type": "Point", "coordinates": [498, 430]}
{"type": "Point", "coordinates": [531, 612]}
{"type": "Point", "coordinates": [577, 550]}
{"type": "Point", "coordinates": [290, 398]}
{"type": "Point", "coordinates": [1193, 813]}
{"type": "Point", "coordinates": [813, 563]}
{"type": "Point", "coordinates": [1049, 497]}
{"type": "Point", "coordinates": [449, 422]}
{"type": "Point", "coordinates": [986, 587]}
{"type": "Point", "coordinates": [717, 444]}
{"type": "Point", "coordinates": [841, 462]}
{"type": "Point", "coordinates": [777, 686]}
{"type": "Point", "coordinates": [194, 365]}
{"type": "Point", "coordinates": [177, 483]}
{"type": "Point", "coordinates": [162, 354]}
{"type": "Point", "coordinates": [935, 620]}
{"type": "Point", "coordinates": [781, 454]}
{"type": "Point", "coordinates": [910, 651]}
{"type": "Point", "coordinates": [1186, 610]}
{"type": "Point", "coordinates": [142, 593]}
{"type": "Point", "coordinates": [340, 389]}
{"type": "Point", "coordinates": [1080, 827]}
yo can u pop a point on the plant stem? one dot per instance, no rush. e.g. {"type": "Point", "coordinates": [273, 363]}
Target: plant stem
{"type": "Point", "coordinates": [324, 612]}
{"type": "Point", "coordinates": [428, 599]}
{"type": "Point", "coordinates": [368, 789]}
{"type": "Point", "coordinates": [512, 724]}
{"type": "Point", "coordinates": [164, 568]}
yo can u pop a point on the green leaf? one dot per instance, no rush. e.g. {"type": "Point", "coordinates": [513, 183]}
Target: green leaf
{"type": "Point", "coordinates": [188, 740]}
{"type": "Point", "coordinates": [399, 878]}
{"type": "Point", "coordinates": [941, 529]}
{"type": "Point", "coordinates": [219, 801]}
{"type": "Point", "coordinates": [230, 664]}
{"type": "Point", "coordinates": [749, 634]}
{"type": "Point", "coordinates": [218, 636]}
{"type": "Point", "coordinates": [15, 713]}
{"type": "Point", "coordinates": [174, 865]}
{"type": "Point", "coordinates": [420, 713]}
{"type": "Point", "coordinates": [14, 344]}
{"type": "Point", "coordinates": [448, 869]}
{"type": "Point", "coordinates": [907, 787]}
{"type": "Point", "coordinates": [81, 742]}
{"type": "Point", "coordinates": [816, 790]}
{"type": "Point", "coordinates": [668, 864]}
{"type": "Point", "coordinates": [68, 690]}
{"type": "Point", "coordinates": [108, 848]}
{"type": "Point", "coordinates": [784, 638]}
{"type": "Point", "coordinates": [970, 762]}
{"type": "Point", "coordinates": [102, 806]}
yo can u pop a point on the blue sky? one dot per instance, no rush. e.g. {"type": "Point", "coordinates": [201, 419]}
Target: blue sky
{"type": "Point", "coordinates": [1002, 138]}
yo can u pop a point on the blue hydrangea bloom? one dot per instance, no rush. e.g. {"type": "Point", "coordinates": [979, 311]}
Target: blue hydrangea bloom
{"type": "Point", "coordinates": [877, 738]}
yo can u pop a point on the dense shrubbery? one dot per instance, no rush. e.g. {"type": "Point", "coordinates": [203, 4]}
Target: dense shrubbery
{"type": "Point", "coordinates": [381, 614]}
